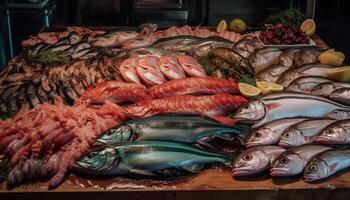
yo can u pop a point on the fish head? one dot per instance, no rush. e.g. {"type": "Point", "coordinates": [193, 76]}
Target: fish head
{"type": "Point", "coordinates": [323, 89]}
{"type": "Point", "coordinates": [333, 134]}
{"type": "Point", "coordinates": [138, 110]}
{"type": "Point", "coordinates": [250, 162]}
{"type": "Point", "coordinates": [287, 165]}
{"type": "Point", "coordinates": [261, 136]}
{"type": "Point", "coordinates": [315, 170]}
{"type": "Point", "coordinates": [291, 137]}
{"type": "Point", "coordinates": [338, 114]}
{"type": "Point", "coordinates": [191, 66]}
{"type": "Point", "coordinates": [101, 159]}
{"type": "Point", "coordinates": [115, 135]}
{"type": "Point", "coordinates": [251, 111]}
{"type": "Point", "coordinates": [340, 93]}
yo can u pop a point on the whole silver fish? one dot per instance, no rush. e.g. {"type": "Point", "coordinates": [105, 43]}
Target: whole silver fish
{"type": "Point", "coordinates": [146, 51]}
{"type": "Point", "coordinates": [247, 45]}
{"type": "Point", "coordinates": [338, 114]}
{"type": "Point", "coordinates": [305, 84]}
{"type": "Point", "coordinates": [294, 160]}
{"type": "Point", "coordinates": [176, 43]}
{"type": "Point", "coordinates": [304, 132]}
{"type": "Point", "coordinates": [326, 164]}
{"type": "Point", "coordinates": [272, 107]}
{"type": "Point", "coordinates": [306, 70]}
{"type": "Point", "coordinates": [325, 89]}
{"type": "Point", "coordinates": [307, 56]}
{"type": "Point", "coordinates": [270, 133]}
{"type": "Point", "coordinates": [336, 133]}
{"type": "Point", "coordinates": [271, 74]}
{"type": "Point", "coordinates": [341, 95]}
{"type": "Point", "coordinates": [288, 57]}
{"type": "Point", "coordinates": [255, 160]}
{"type": "Point", "coordinates": [203, 47]}
{"type": "Point", "coordinates": [264, 58]}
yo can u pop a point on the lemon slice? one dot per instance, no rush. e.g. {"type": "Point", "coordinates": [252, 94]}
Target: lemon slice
{"type": "Point", "coordinates": [268, 87]}
{"type": "Point", "coordinates": [309, 27]}
{"type": "Point", "coordinates": [339, 73]}
{"type": "Point", "coordinates": [222, 26]}
{"type": "Point", "coordinates": [248, 90]}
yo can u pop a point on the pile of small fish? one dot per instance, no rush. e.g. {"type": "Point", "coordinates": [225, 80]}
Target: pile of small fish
{"type": "Point", "coordinates": [294, 133]}
{"type": "Point", "coordinates": [43, 143]}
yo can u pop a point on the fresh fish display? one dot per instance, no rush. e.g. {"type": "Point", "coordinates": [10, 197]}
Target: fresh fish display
{"type": "Point", "coordinates": [303, 71]}
{"type": "Point", "coordinates": [214, 106]}
{"type": "Point", "coordinates": [147, 158]}
{"type": "Point", "coordinates": [191, 66]}
{"type": "Point", "coordinates": [270, 133]}
{"type": "Point", "coordinates": [171, 68]}
{"type": "Point", "coordinates": [272, 107]}
{"type": "Point", "coordinates": [293, 161]}
{"type": "Point", "coordinates": [203, 47]}
{"type": "Point", "coordinates": [325, 89]}
{"type": "Point", "coordinates": [341, 95]}
{"type": "Point", "coordinates": [305, 84]}
{"type": "Point", "coordinates": [180, 43]}
{"type": "Point", "coordinates": [186, 129]}
{"type": "Point", "coordinates": [289, 57]}
{"type": "Point", "coordinates": [336, 133]}
{"type": "Point", "coordinates": [307, 56]}
{"type": "Point", "coordinates": [255, 160]}
{"type": "Point", "coordinates": [264, 58]}
{"type": "Point", "coordinates": [338, 114]}
{"type": "Point", "coordinates": [247, 45]}
{"type": "Point", "coordinates": [194, 85]}
{"type": "Point", "coordinates": [327, 164]}
{"type": "Point", "coordinates": [149, 72]}
{"type": "Point", "coordinates": [304, 132]}
{"type": "Point", "coordinates": [128, 70]}
{"type": "Point", "coordinates": [271, 74]}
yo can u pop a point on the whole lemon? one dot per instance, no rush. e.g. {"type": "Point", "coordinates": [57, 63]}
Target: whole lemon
{"type": "Point", "coordinates": [238, 25]}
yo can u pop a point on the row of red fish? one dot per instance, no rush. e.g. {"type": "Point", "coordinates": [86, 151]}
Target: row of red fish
{"type": "Point", "coordinates": [152, 70]}
{"type": "Point", "coordinates": [43, 142]}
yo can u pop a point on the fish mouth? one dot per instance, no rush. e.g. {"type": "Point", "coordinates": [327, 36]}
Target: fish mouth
{"type": "Point", "coordinates": [323, 140]}
{"type": "Point", "coordinates": [240, 172]}
{"type": "Point", "coordinates": [252, 144]}
{"type": "Point", "coordinates": [310, 178]}
{"type": "Point", "coordinates": [275, 172]}
{"type": "Point", "coordinates": [284, 144]}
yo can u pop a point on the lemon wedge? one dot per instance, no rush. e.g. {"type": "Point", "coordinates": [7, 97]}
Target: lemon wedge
{"type": "Point", "coordinates": [309, 27]}
{"type": "Point", "coordinates": [222, 26]}
{"type": "Point", "coordinates": [268, 87]}
{"type": "Point", "coordinates": [339, 73]}
{"type": "Point", "coordinates": [332, 58]}
{"type": "Point", "coordinates": [248, 90]}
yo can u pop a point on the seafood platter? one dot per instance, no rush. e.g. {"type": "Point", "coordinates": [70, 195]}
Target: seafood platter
{"type": "Point", "coordinates": [183, 108]}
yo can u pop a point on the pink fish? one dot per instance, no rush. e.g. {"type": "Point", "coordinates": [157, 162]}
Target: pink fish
{"type": "Point", "coordinates": [128, 70]}
{"type": "Point", "coordinates": [149, 72]}
{"type": "Point", "coordinates": [171, 68]}
{"type": "Point", "coordinates": [191, 66]}
{"type": "Point", "coordinates": [137, 42]}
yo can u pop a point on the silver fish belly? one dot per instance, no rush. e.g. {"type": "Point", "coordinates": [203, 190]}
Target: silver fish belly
{"type": "Point", "coordinates": [305, 84]}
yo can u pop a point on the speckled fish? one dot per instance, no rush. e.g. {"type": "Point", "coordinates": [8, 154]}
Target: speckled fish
{"type": "Point", "coordinates": [137, 42]}
{"type": "Point", "coordinates": [336, 133]}
{"type": "Point", "coordinates": [325, 89]}
{"type": "Point", "coordinates": [191, 66]}
{"type": "Point", "coordinates": [304, 132]}
{"type": "Point", "coordinates": [326, 164]}
{"type": "Point", "coordinates": [255, 160]}
{"type": "Point", "coordinates": [187, 129]}
{"type": "Point", "coordinates": [247, 45]}
{"type": "Point", "coordinates": [341, 95]}
{"type": "Point", "coordinates": [203, 47]}
{"type": "Point", "coordinates": [338, 114]}
{"type": "Point", "coordinates": [288, 57]}
{"type": "Point", "coordinates": [305, 84]}
{"type": "Point", "coordinates": [306, 70]}
{"type": "Point", "coordinates": [272, 107]}
{"type": "Point", "coordinates": [179, 43]}
{"type": "Point", "coordinates": [307, 56]}
{"type": "Point", "coordinates": [293, 161]}
{"type": "Point", "coordinates": [146, 158]}
{"type": "Point", "coordinates": [171, 68]}
{"type": "Point", "coordinates": [128, 70]}
{"type": "Point", "coordinates": [271, 74]}
{"type": "Point", "coordinates": [264, 58]}
{"type": "Point", "coordinates": [270, 133]}
{"type": "Point", "coordinates": [148, 71]}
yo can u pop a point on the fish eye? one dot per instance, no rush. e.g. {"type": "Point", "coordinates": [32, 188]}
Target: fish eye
{"type": "Point", "coordinates": [313, 167]}
{"type": "Point", "coordinates": [329, 131]}
{"type": "Point", "coordinates": [335, 112]}
{"type": "Point", "coordinates": [245, 106]}
{"type": "Point", "coordinates": [257, 134]}
{"type": "Point", "coordinates": [110, 132]}
{"type": "Point", "coordinates": [318, 87]}
{"type": "Point", "coordinates": [247, 157]}
{"type": "Point", "coordinates": [91, 154]}
{"type": "Point", "coordinates": [284, 160]}
{"type": "Point", "coordinates": [287, 135]}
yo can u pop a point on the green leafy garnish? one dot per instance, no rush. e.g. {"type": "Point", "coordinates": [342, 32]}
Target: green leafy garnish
{"type": "Point", "coordinates": [289, 17]}
{"type": "Point", "coordinates": [49, 58]}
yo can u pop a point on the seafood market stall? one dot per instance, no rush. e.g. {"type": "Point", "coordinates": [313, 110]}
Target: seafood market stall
{"type": "Point", "coordinates": [177, 113]}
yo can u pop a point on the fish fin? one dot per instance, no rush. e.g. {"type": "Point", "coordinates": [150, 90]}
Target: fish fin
{"type": "Point", "coordinates": [272, 106]}
{"type": "Point", "coordinates": [191, 167]}
{"type": "Point", "coordinates": [333, 166]}
{"type": "Point", "coordinates": [226, 136]}
{"type": "Point", "coordinates": [142, 172]}
{"type": "Point", "coordinates": [204, 142]}
{"type": "Point", "coordinates": [223, 120]}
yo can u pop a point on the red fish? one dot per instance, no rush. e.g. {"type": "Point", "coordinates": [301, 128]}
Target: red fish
{"type": "Point", "coordinates": [149, 72]}
{"type": "Point", "coordinates": [171, 68]}
{"type": "Point", "coordinates": [191, 66]}
{"type": "Point", "coordinates": [193, 85]}
{"type": "Point", "coordinates": [128, 70]}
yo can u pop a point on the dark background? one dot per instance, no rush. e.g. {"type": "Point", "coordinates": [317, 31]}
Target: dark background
{"type": "Point", "coordinates": [332, 17]}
